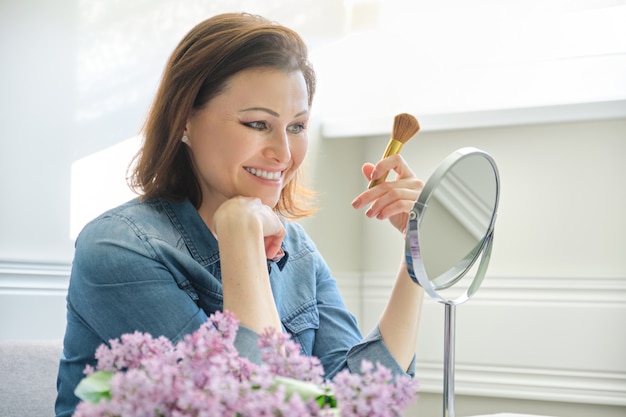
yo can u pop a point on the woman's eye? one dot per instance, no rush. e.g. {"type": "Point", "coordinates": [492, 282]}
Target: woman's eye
{"type": "Point", "coordinates": [297, 128]}
{"type": "Point", "coordinates": [256, 125]}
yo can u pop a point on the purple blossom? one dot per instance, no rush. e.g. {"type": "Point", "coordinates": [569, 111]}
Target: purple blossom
{"type": "Point", "coordinates": [291, 363]}
{"type": "Point", "coordinates": [204, 376]}
{"type": "Point", "coordinates": [374, 392]}
{"type": "Point", "coordinates": [128, 351]}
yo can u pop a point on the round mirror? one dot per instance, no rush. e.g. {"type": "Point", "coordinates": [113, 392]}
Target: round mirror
{"type": "Point", "coordinates": [451, 225]}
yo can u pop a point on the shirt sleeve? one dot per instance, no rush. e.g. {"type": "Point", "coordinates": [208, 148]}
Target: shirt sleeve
{"type": "Point", "coordinates": [373, 346]}
{"type": "Point", "coordinates": [121, 282]}
{"type": "Point", "coordinates": [339, 343]}
{"type": "Point", "coordinates": [247, 344]}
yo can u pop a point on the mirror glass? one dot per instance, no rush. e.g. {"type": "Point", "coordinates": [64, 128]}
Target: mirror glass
{"type": "Point", "coordinates": [452, 222]}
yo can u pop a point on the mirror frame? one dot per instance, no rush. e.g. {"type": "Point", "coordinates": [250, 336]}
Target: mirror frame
{"type": "Point", "coordinates": [482, 250]}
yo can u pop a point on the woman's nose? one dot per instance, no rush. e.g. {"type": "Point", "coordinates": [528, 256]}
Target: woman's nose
{"type": "Point", "coordinates": [278, 146]}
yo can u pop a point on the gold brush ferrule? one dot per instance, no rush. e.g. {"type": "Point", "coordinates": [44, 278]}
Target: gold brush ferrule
{"type": "Point", "coordinates": [393, 148]}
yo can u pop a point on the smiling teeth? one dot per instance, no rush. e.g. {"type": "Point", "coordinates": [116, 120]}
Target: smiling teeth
{"type": "Point", "coordinates": [264, 174]}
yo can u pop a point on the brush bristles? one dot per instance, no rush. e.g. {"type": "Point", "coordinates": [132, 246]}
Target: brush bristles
{"type": "Point", "coordinates": [404, 127]}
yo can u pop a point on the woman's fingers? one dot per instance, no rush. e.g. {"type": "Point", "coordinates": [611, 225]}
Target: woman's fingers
{"type": "Point", "coordinates": [390, 199]}
{"type": "Point", "coordinates": [395, 198]}
{"type": "Point", "coordinates": [273, 230]}
{"type": "Point", "coordinates": [394, 163]}
{"type": "Point", "coordinates": [241, 211]}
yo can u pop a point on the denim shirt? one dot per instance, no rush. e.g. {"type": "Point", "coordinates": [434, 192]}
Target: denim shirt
{"type": "Point", "coordinates": [154, 266]}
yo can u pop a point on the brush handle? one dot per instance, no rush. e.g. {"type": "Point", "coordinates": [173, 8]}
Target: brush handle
{"type": "Point", "coordinates": [393, 147]}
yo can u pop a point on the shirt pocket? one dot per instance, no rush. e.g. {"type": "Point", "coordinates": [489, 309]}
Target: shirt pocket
{"type": "Point", "coordinates": [302, 324]}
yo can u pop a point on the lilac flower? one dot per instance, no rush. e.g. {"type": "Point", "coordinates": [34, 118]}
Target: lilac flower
{"type": "Point", "coordinates": [204, 376]}
{"type": "Point", "coordinates": [374, 392]}
{"type": "Point", "coordinates": [292, 363]}
{"type": "Point", "coordinates": [131, 350]}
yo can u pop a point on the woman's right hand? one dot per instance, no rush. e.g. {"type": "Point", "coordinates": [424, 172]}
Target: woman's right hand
{"type": "Point", "coordinates": [248, 233]}
{"type": "Point", "coordinates": [256, 220]}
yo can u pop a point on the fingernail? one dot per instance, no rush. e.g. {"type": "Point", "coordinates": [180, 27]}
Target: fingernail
{"type": "Point", "coordinates": [373, 175]}
{"type": "Point", "coordinates": [356, 203]}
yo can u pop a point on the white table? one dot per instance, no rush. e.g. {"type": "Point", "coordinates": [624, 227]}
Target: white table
{"type": "Point", "coordinates": [509, 415]}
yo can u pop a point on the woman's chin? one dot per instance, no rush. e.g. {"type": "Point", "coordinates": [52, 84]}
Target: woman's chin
{"type": "Point", "coordinates": [270, 202]}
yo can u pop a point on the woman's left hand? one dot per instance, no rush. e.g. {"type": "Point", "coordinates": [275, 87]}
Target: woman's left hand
{"type": "Point", "coordinates": [394, 199]}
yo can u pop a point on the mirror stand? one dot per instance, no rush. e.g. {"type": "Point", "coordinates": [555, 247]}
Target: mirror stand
{"type": "Point", "coordinates": [449, 335]}
{"type": "Point", "coordinates": [448, 359]}
{"type": "Point", "coordinates": [450, 228]}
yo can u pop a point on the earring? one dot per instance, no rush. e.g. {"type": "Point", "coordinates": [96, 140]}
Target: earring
{"type": "Point", "coordinates": [185, 139]}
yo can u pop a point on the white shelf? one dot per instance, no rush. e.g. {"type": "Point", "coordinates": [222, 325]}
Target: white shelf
{"type": "Point", "coordinates": [374, 126]}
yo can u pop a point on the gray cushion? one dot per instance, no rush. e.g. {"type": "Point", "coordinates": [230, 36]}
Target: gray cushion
{"type": "Point", "coordinates": [28, 372]}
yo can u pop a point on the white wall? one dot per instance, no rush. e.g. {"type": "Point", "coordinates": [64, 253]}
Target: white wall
{"type": "Point", "coordinates": [545, 333]}
{"type": "Point", "coordinates": [36, 106]}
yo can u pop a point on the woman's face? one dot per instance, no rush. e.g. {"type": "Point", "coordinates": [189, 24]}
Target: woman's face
{"type": "Point", "coordinates": [251, 138]}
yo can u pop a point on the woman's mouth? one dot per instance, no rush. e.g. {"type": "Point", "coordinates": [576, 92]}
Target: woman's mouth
{"type": "Point", "coordinates": [266, 175]}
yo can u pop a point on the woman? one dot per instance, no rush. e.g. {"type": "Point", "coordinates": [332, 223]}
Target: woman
{"type": "Point", "coordinates": [213, 228]}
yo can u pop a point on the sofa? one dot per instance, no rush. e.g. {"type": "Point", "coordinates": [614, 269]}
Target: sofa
{"type": "Point", "coordinates": [28, 372]}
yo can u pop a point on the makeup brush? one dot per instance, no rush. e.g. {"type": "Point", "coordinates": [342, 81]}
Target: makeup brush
{"type": "Point", "coordinates": [405, 126]}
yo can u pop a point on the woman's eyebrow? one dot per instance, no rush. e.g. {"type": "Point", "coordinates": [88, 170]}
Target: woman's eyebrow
{"type": "Point", "coordinates": [270, 111]}
{"type": "Point", "coordinates": [263, 109]}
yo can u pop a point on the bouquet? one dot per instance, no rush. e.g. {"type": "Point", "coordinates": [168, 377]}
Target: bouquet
{"type": "Point", "coordinates": [204, 376]}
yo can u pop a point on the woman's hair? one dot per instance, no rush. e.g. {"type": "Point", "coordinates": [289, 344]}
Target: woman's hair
{"type": "Point", "coordinates": [197, 71]}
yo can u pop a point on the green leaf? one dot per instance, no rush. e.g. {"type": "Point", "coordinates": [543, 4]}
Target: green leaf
{"type": "Point", "coordinates": [327, 399]}
{"type": "Point", "coordinates": [95, 387]}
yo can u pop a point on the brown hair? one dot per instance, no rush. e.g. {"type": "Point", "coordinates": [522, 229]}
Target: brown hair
{"type": "Point", "coordinates": [197, 71]}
